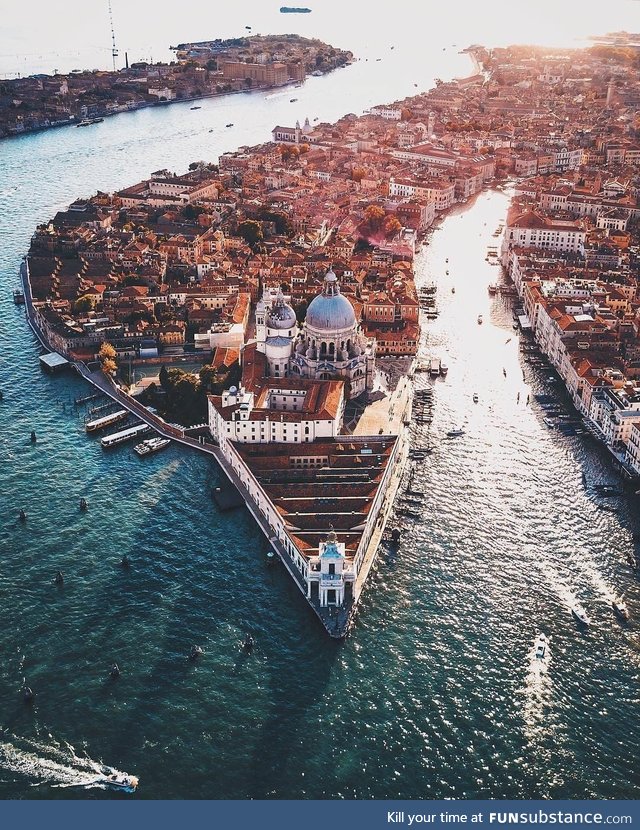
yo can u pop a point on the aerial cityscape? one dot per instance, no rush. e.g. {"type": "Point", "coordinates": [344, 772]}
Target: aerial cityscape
{"type": "Point", "coordinates": [324, 409]}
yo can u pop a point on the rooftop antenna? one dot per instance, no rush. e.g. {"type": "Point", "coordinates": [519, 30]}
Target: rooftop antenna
{"type": "Point", "coordinates": [114, 49]}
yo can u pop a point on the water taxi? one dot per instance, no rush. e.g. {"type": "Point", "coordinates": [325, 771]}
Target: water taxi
{"type": "Point", "coordinates": [150, 446]}
{"type": "Point", "coordinates": [580, 614]}
{"type": "Point", "coordinates": [106, 421]}
{"type": "Point", "coordinates": [124, 435]}
{"type": "Point", "coordinates": [620, 609]}
{"type": "Point", "coordinates": [119, 781]}
{"type": "Point", "coordinates": [541, 647]}
{"type": "Point", "coordinates": [455, 433]}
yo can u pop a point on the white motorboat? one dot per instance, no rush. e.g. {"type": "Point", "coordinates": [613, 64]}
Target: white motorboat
{"type": "Point", "coordinates": [620, 609]}
{"type": "Point", "coordinates": [150, 446]}
{"type": "Point", "coordinates": [119, 781]}
{"type": "Point", "coordinates": [580, 614]}
{"type": "Point", "coordinates": [479, 319]}
{"type": "Point", "coordinates": [475, 397]}
{"type": "Point", "coordinates": [455, 433]}
{"type": "Point", "coordinates": [541, 647]}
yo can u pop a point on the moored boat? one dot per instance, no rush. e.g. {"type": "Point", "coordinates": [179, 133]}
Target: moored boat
{"type": "Point", "coordinates": [434, 367]}
{"type": "Point", "coordinates": [124, 436]}
{"type": "Point", "coordinates": [150, 446]}
{"type": "Point", "coordinates": [444, 369]}
{"type": "Point", "coordinates": [106, 421]}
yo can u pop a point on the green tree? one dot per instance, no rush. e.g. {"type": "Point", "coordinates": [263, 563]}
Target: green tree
{"type": "Point", "coordinates": [301, 310]}
{"type": "Point", "coordinates": [208, 378]}
{"type": "Point", "coordinates": [251, 232]}
{"type": "Point", "coordinates": [82, 305]}
{"type": "Point", "coordinates": [192, 211]}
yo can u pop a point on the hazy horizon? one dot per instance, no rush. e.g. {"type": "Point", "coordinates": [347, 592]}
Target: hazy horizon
{"type": "Point", "coordinates": [78, 40]}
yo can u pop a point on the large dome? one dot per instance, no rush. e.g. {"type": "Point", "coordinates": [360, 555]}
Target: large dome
{"type": "Point", "coordinates": [330, 311]}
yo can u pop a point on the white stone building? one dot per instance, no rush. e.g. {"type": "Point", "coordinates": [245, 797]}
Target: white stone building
{"type": "Point", "coordinates": [329, 347]}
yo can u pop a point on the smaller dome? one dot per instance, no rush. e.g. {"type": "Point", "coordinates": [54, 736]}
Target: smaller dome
{"type": "Point", "coordinates": [281, 315]}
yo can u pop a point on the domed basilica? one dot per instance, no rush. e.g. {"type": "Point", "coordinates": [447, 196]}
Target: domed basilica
{"type": "Point", "coordinates": [330, 346]}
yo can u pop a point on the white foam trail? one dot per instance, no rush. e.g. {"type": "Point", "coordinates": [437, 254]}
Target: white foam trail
{"type": "Point", "coordinates": [51, 764]}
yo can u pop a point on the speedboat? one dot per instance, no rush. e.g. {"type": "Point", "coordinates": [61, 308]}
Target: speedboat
{"type": "Point", "coordinates": [580, 614]}
{"type": "Point", "coordinates": [455, 433]}
{"type": "Point", "coordinates": [292, 100]}
{"type": "Point", "coordinates": [479, 319]}
{"type": "Point", "coordinates": [541, 647]}
{"type": "Point", "coordinates": [119, 781]}
{"type": "Point", "coordinates": [475, 397]}
{"type": "Point", "coordinates": [196, 108]}
{"type": "Point", "coordinates": [620, 609]}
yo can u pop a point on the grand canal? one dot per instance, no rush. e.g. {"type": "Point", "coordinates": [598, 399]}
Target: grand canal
{"type": "Point", "coordinates": [436, 693]}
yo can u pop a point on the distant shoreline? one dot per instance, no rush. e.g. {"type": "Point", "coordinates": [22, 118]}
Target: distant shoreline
{"type": "Point", "coordinates": [147, 104]}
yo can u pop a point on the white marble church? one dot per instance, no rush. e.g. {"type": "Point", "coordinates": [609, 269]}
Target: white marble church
{"type": "Point", "coordinates": [330, 346]}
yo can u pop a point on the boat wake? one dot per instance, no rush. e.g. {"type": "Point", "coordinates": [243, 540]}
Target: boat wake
{"type": "Point", "coordinates": [538, 695]}
{"type": "Point", "coordinates": [54, 765]}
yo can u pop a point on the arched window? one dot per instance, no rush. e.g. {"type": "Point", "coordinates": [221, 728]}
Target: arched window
{"type": "Point", "coordinates": [331, 349]}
